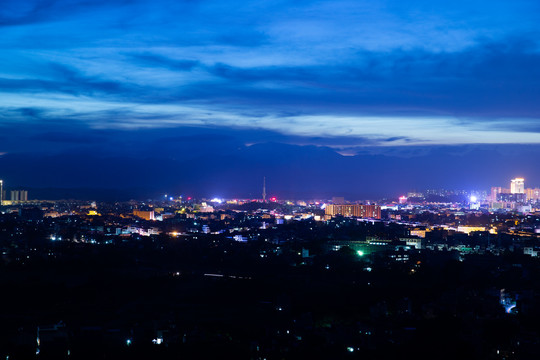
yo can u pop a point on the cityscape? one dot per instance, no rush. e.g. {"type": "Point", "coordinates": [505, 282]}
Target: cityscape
{"type": "Point", "coordinates": [269, 278]}
{"type": "Point", "coordinates": [269, 180]}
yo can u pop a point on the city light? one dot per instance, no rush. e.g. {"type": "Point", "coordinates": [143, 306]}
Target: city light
{"type": "Point", "coordinates": [212, 235]}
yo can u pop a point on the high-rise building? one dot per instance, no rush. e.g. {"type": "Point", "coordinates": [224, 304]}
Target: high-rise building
{"type": "Point", "coordinates": [362, 211]}
{"type": "Point", "coordinates": [19, 195]}
{"type": "Point", "coordinates": [1, 191]}
{"type": "Point", "coordinates": [497, 193]}
{"type": "Point", "coordinates": [532, 194]}
{"type": "Point", "coordinates": [146, 215]}
{"type": "Point", "coordinates": [517, 186]}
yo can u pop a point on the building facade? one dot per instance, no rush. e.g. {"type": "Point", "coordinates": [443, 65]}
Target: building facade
{"type": "Point", "coordinates": [361, 211]}
{"type": "Point", "coordinates": [517, 186]}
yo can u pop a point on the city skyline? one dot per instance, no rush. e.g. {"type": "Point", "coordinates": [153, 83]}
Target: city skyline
{"type": "Point", "coordinates": [13, 193]}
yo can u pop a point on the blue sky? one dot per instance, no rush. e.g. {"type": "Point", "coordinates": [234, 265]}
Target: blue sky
{"type": "Point", "coordinates": [342, 74]}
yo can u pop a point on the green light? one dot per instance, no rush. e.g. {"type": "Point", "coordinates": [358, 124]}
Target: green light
{"type": "Point", "coordinates": [360, 253]}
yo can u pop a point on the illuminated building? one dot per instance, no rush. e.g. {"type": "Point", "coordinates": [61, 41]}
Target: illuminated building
{"type": "Point", "coordinates": [515, 197]}
{"type": "Point", "coordinates": [205, 208]}
{"type": "Point", "coordinates": [1, 191]}
{"type": "Point", "coordinates": [361, 211]}
{"type": "Point", "coordinates": [146, 215]}
{"type": "Point", "coordinates": [19, 195]}
{"type": "Point", "coordinates": [517, 186]}
{"type": "Point", "coordinates": [468, 229]}
{"type": "Point", "coordinates": [416, 243]}
{"type": "Point", "coordinates": [421, 233]}
{"type": "Point", "coordinates": [532, 194]}
{"type": "Point", "coordinates": [497, 191]}
{"type": "Point", "coordinates": [402, 199]}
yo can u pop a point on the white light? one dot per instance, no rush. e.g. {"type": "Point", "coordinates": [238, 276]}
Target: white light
{"type": "Point", "coordinates": [473, 198]}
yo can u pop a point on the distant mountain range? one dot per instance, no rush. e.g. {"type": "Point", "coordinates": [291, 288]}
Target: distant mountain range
{"type": "Point", "coordinates": [292, 171]}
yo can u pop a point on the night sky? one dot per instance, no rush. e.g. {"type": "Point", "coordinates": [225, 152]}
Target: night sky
{"type": "Point", "coordinates": [354, 98]}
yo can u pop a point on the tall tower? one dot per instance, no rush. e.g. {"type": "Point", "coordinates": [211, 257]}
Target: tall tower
{"type": "Point", "coordinates": [517, 186]}
{"type": "Point", "coordinates": [264, 189]}
{"type": "Point", "coordinates": [1, 191]}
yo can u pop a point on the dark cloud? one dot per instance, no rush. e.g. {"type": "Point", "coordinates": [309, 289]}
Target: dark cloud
{"type": "Point", "coordinates": [492, 79]}
{"type": "Point", "coordinates": [147, 59]}
{"type": "Point", "coordinates": [67, 80]}
{"type": "Point", "coordinates": [395, 138]}
{"type": "Point", "coordinates": [22, 12]}
{"type": "Point", "coordinates": [70, 138]}
{"type": "Point", "coordinates": [198, 138]}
